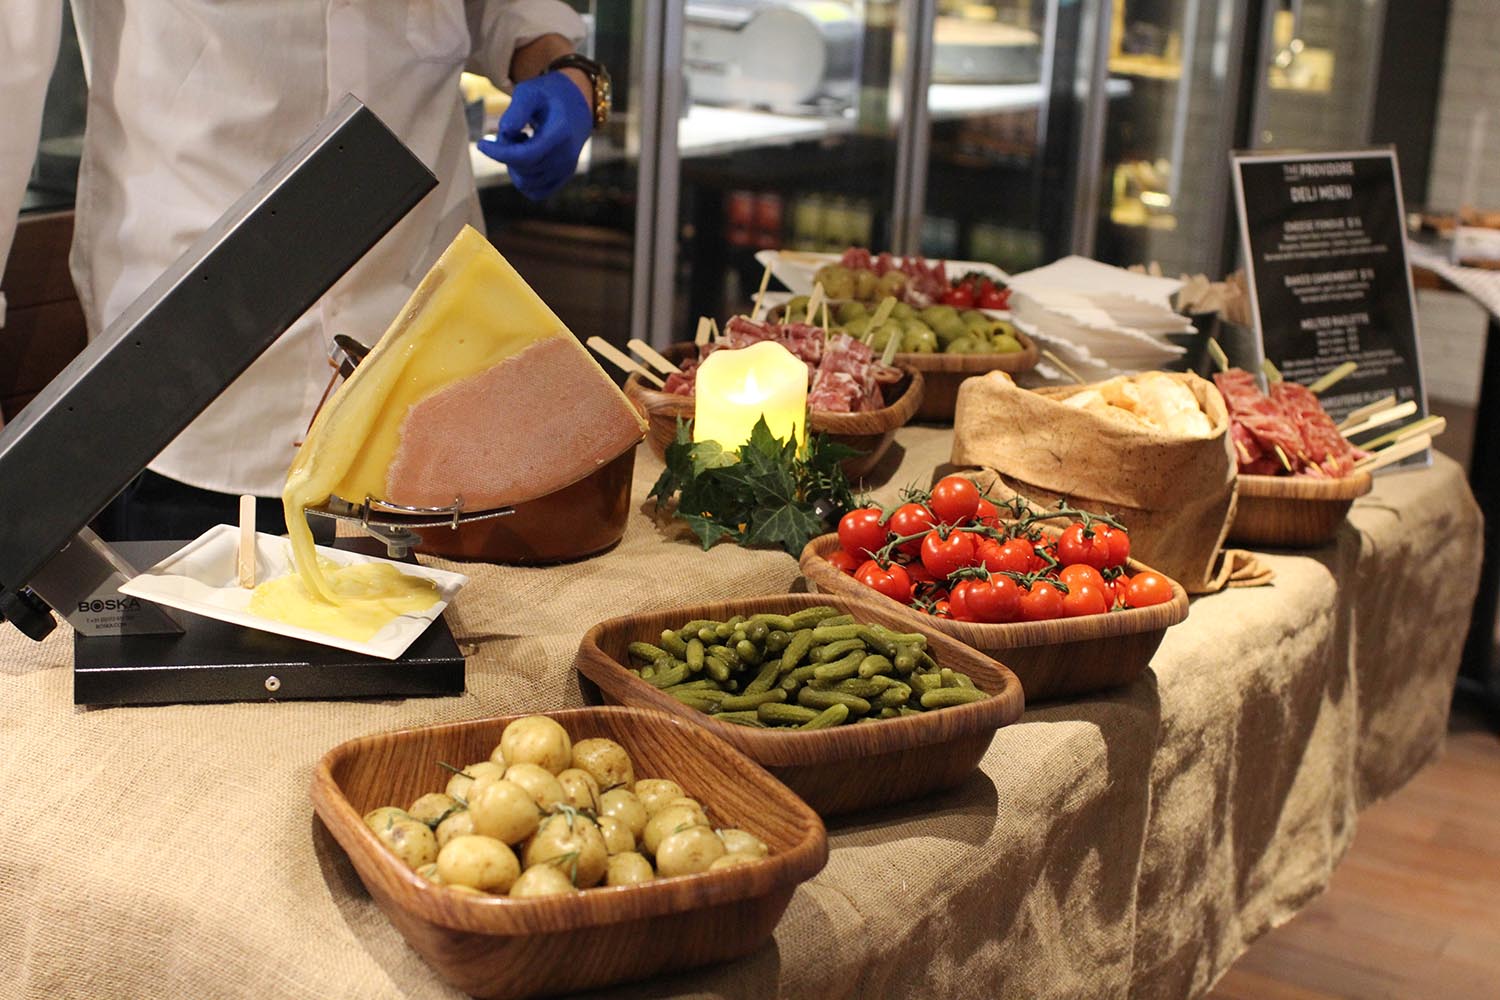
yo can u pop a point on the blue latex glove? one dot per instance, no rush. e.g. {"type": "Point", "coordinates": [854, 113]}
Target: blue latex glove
{"type": "Point", "coordinates": [559, 119]}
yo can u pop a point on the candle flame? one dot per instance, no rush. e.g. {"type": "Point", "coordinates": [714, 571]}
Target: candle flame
{"type": "Point", "coordinates": [749, 392]}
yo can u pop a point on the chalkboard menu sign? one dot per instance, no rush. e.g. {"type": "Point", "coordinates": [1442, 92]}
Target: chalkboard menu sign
{"type": "Point", "coordinates": [1325, 243]}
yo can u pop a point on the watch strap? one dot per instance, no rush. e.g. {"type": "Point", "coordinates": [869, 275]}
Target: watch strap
{"type": "Point", "coordinates": [603, 86]}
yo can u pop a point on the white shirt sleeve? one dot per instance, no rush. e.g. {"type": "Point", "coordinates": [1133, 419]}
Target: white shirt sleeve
{"type": "Point", "coordinates": [498, 27]}
{"type": "Point", "coordinates": [30, 31]}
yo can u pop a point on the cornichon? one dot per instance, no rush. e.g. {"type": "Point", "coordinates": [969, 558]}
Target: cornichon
{"type": "Point", "coordinates": [944, 697]}
{"type": "Point", "coordinates": [833, 715]}
{"type": "Point", "coordinates": [772, 712]}
{"type": "Point", "coordinates": [741, 702]}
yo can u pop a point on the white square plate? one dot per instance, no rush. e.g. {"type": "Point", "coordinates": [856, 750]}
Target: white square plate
{"type": "Point", "coordinates": [203, 578]}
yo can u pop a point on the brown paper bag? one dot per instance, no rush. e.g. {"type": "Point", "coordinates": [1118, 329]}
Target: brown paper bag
{"type": "Point", "coordinates": [1176, 494]}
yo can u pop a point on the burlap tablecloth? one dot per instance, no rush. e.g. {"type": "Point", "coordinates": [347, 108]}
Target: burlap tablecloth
{"type": "Point", "coordinates": [1126, 845]}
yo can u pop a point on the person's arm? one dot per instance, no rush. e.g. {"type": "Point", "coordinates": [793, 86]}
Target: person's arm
{"type": "Point", "coordinates": [515, 40]}
{"type": "Point", "coordinates": [30, 31]}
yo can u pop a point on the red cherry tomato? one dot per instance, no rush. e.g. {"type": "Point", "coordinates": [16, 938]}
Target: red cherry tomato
{"type": "Point", "coordinates": [986, 514]}
{"type": "Point", "coordinates": [1085, 599]}
{"type": "Point", "coordinates": [959, 297]}
{"type": "Point", "coordinates": [992, 297]}
{"type": "Point", "coordinates": [861, 533]}
{"type": "Point", "coordinates": [1077, 545]}
{"type": "Point", "coordinates": [1119, 544]}
{"type": "Point", "coordinates": [942, 609]}
{"type": "Point", "coordinates": [958, 602]}
{"type": "Point", "coordinates": [942, 555]}
{"type": "Point", "coordinates": [954, 500]}
{"type": "Point", "coordinates": [891, 580]}
{"type": "Point", "coordinates": [919, 573]}
{"type": "Point", "coordinates": [844, 561]}
{"type": "Point", "coordinates": [1146, 589]}
{"type": "Point", "coordinates": [1012, 556]}
{"type": "Point", "coordinates": [995, 600]}
{"type": "Point", "coordinates": [910, 519]}
{"type": "Point", "coordinates": [1118, 586]}
{"type": "Point", "coordinates": [1079, 574]}
{"type": "Point", "coordinates": [1041, 602]}
{"type": "Point", "coordinates": [1041, 557]}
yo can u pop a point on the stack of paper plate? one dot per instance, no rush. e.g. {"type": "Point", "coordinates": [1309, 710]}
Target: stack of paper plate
{"type": "Point", "coordinates": [1098, 319]}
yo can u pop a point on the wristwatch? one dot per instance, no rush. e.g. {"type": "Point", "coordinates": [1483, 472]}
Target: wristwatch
{"type": "Point", "coordinates": [603, 87]}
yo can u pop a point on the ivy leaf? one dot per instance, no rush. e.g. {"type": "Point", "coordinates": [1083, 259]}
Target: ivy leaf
{"type": "Point", "coordinates": [707, 529]}
{"type": "Point", "coordinates": [788, 527]}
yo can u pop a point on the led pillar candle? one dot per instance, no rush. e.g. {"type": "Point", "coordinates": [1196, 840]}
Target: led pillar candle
{"type": "Point", "coordinates": [735, 388]}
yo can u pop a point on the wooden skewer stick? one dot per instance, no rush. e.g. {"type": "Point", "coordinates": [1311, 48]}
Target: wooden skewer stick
{"type": "Point", "coordinates": [1244, 452]}
{"type": "Point", "coordinates": [1382, 418]}
{"type": "Point", "coordinates": [1359, 415]}
{"type": "Point", "coordinates": [704, 331]}
{"type": "Point", "coordinates": [817, 298]}
{"type": "Point", "coordinates": [825, 315]}
{"type": "Point", "coordinates": [1063, 366]}
{"type": "Point", "coordinates": [648, 354]}
{"type": "Point", "coordinates": [1431, 426]}
{"type": "Point", "coordinates": [882, 311]}
{"type": "Point", "coordinates": [623, 361]}
{"type": "Point", "coordinates": [1221, 360]}
{"type": "Point", "coordinates": [765, 280]}
{"type": "Point", "coordinates": [1286, 462]}
{"type": "Point", "coordinates": [1395, 453]}
{"type": "Point", "coordinates": [246, 562]}
{"type": "Point", "coordinates": [713, 326]}
{"type": "Point", "coordinates": [1326, 382]}
{"type": "Point", "coordinates": [892, 345]}
{"type": "Point", "coordinates": [1273, 375]}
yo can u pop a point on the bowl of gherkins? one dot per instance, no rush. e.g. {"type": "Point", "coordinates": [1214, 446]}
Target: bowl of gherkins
{"type": "Point", "coordinates": [844, 702]}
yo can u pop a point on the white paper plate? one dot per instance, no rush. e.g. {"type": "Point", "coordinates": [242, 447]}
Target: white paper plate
{"type": "Point", "coordinates": [795, 268]}
{"type": "Point", "coordinates": [203, 578]}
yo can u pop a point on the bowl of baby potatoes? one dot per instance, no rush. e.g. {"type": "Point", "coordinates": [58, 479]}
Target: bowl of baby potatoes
{"type": "Point", "coordinates": [527, 856]}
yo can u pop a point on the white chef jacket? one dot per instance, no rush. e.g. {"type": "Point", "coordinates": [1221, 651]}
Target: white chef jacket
{"type": "Point", "coordinates": [190, 102]}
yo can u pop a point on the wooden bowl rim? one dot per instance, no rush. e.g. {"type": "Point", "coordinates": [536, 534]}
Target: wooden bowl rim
{"type": "Point", "coordinates": [776, 748]}
{"type": "Point", "coordinates": [1008, 635]}
{"type": "Point", "coordinates": [889, 417]}
{"type": "Point", "coordinates": [601, 905]}
{"type": "Point", "coordinates": [1305, 487]}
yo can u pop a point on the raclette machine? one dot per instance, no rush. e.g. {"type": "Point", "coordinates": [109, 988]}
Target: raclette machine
{"type": "Point", "coordinates": [104, 417]}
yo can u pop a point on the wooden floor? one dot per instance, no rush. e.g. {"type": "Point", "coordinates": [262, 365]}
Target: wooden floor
{"type": "Point", "coordinates": [1413, 911]}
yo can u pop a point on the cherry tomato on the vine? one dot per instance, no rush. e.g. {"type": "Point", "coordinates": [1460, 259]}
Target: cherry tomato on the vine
{"type": "Point", "coordinates": [942, 555]}
{"type": "Point", "coordinates": [1041, 602]}
{"type": "Point", "coordinates": [1085, 598]}
{"type": "Point", "coordinates": [995, 600]}
{"type": "Point", "coordinates": [910, 519]}
{"type": "Point", "coordinates": [860, 532]}
{"type": "Point", "coordinates": [941, 609]}
{"type": "Point", "coordinates": [958, 601]}
{"type": "Point", "coordinates": [1118, 586]}
{"type": "Point", "coordinates": [1079, 545]}
{"type": "Point", "coordinates": [1146, 589]}
{"type": "Point", "coordinates": [1082, 573]}
{"type": "Point", "coordinates": [954, 500]}
{"type": "Point", "coordinates": [993, 298]}
{"type": "Point", "coordinates": [987, 514]}
{"type": "Point", "coordinates": [959, 297]}
{"type": "Point", "coordinates": [844, 561]}
{"type": "Point", "coordinates": [1119, 544]}
{"type": "Point", "coordinates": [891, 580]}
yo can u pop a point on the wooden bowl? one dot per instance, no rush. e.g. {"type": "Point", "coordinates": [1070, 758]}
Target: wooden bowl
{"type": "Point", "coordinates": [1293, 511]}
{"type": "Point", "coordinates": [942, 374]}
{"type": "Point", "coordinates": [1053, 659]}
{"type": "Point", "coordinates": [870, 433]}
{"type": "Point", "coordinates": [836, 770]}
{"type": "Point", "coordinates": [506, 948]}
{"type": "Point", "coordinates": [576, 521]}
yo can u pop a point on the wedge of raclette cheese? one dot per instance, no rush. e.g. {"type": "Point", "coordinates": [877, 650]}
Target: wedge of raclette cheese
{"type": "Point", "coordinates": [477, 392]}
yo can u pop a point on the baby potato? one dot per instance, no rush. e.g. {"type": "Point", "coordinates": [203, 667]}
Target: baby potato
{"type": "Point", "coordinates": [606, 760]}
{"type": "Point", "coordinates": [478, 862]}
{"type": "Point", "coordinates": [733, 860]}
{"type": "Point", "coordinates": [411, 840]}
{"type": "Point", "coordinates": [628, 868]}
{"type": "Point", "coordinates": [687, 802]}
{"type": "Point", "coordinates": [538, 740]}
{"type": "Point", "coordinates": [539, 783]}
{"type": "Point", "coordinates": [433, 807]}
{"type": "Point", "coordinates": [581, 789]}
{"type": "Point", "coordinates": [625, 807]}
{"type": "Point", "coordinates": [430, 873]}
{"type": "Point", "coordinates": [668, 821]}
{"type": "Point", "coordinates": [572, 844]}
{"type": "Point", "coordinates": [688, 852]}
{"type": "Point", "coordinates": [740, 842]}
{"type": "Point", "coordinates": [617, 836]}
{"type": "Point", "coordinates": [543, 880]}
{"type": "Point", "coordinates": [385, 817]}
{"type": "Point", "coordinates": [504, 810]}
{"type": "Point", "coordinates": [458, 785]}
{"type": "Point", "coordinates": [657, 792]}
{"type": "Point", "coordinates": [459, 824]}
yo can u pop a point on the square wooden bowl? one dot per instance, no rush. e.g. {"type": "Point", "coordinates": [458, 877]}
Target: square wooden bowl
{"type": "Point", "coordinates": [1294, 511]}
{"type": "Point", "coordinates": [491, 946]}
{"type": "Point", "coordinates": [869, 433]}
{"type": "Point", "coordinates": [942, 374]}
{"type": "Point", "coordinates": [1053, 659]}
{"type": "Point", "coordinates": [837, 770]}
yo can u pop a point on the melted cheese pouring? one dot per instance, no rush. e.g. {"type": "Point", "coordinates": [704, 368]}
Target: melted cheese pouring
{"type": "Point", "coordinates": [366, 598]}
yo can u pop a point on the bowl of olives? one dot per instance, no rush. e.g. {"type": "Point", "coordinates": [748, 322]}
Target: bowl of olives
{"type": "Point", "coordinates": [537, 855]}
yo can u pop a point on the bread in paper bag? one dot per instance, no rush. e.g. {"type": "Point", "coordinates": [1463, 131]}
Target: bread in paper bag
{"type": "Point", "coordinates": [1174, 489]}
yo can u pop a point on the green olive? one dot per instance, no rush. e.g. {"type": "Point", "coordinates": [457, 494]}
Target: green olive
{"type": "Point", "coordinates": [795, 309]}
{"type": "Point", "coordinates": [919, 341]}
{"type": "Point", "coordinates": [1006, 344]}
{"type": "Point", "coordinates": [846, 312]}
{"type": "Point", "coordinates": [967, 345]}
{"type": "Point", "coordinates": [866, 285]}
